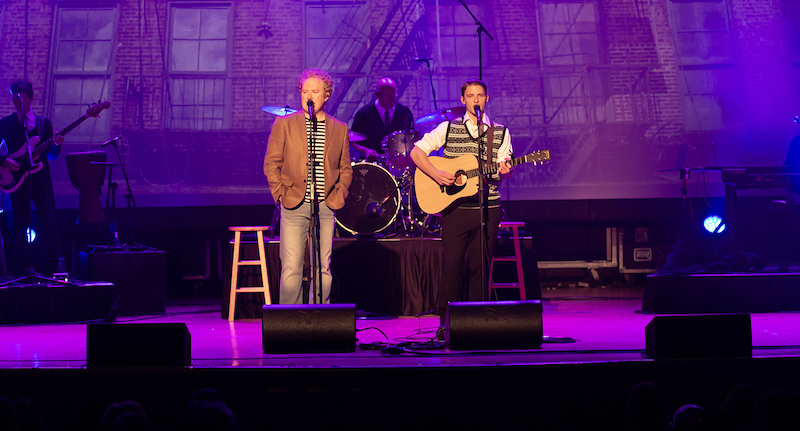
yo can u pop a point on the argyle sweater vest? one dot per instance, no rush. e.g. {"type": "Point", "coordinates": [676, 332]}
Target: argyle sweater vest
{"type": "Point", "coordinates": [459, 142]}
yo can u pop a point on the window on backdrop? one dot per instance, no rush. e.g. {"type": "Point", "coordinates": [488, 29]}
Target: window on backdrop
{"type": "Point", "coordinates": [82, 53]}
{"type": "Point", "coordinates": [570, 42]}
{"type": "Point", "coordinates": [454, 46]}
{"type": "Point", "coordinates": [198, 67]}
{"type": "Point", "coordinates": [336, 34]}
{"type": "Point", "coordinates": [791, 13]}
{"type": "Point", "coordinates": [456, 33]}
{"type": "Point", "coordinates": [706, 62]}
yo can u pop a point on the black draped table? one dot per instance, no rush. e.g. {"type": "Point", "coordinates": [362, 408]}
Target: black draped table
{"type": "Point", "coordinates": [396, 276]}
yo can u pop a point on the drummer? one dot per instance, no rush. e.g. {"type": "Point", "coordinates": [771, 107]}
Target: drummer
{"type": "Point", "coordinates": [380, 118]}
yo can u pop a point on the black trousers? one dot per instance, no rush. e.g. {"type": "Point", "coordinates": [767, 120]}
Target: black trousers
{"type": "Point", "coordinates": [461, 244]}
{"type": "Point", "coordinates": [38, 188]}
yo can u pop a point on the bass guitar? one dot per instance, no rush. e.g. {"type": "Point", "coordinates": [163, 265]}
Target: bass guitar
{"type": "Point", "coordinates": [434, 198]}
{"type": "Point", "coordinates": [28, 155]}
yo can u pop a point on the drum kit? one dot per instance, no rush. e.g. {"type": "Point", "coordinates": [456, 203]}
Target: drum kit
{"type": "Point", "coordinates": [381, 199]}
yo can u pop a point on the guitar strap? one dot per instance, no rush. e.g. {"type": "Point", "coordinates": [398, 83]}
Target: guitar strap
{"type": "Point", "coordinates": [40, 126]}
{"type": "Point", "coordinates": [490, 142]}
{"type": "Point", "coordinates": [54, 150]}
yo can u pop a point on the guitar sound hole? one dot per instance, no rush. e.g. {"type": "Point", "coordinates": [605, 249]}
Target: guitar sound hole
{"type": "Point", "coordinates": [460, 180]}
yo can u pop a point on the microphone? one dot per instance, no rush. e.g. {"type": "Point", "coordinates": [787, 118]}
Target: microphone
{"type": "Point", "coordinates": [310, 104]}
{"type": "Point", "coordinates": [110, 141]}
{"type": "Point", "coordinates": [478, 113]}
{"type": "Point", "coordinates": [19, 97]}
{"type": "Point", "coordinates": [373, 210]}
{"type": "Point", "coordinates": [420, 59]}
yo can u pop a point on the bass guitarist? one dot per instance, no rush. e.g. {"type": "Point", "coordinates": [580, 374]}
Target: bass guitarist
{"type": "Point", "coordinates": [461, 223]}
{"type": "Point", "coordinates": [16, 129]}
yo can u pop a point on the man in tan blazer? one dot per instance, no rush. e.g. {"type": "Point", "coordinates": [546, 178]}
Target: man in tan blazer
{"type": "Point", "coordinates": [295, 140]}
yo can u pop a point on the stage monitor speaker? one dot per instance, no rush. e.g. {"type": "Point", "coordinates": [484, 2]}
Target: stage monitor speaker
{"type": "Point", "coordinates": [308, 328]}
{"type": "Point", "coordinates": [699, 336]}
{"type": "Point", "coordinates": [138, 345]}
{"type": "Point", "coordinates": [493, 325]}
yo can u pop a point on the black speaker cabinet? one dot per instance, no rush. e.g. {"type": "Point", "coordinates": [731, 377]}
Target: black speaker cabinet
{"type": "Point", "coordinates": [138, 345]}
{"type": "Point", "coordinates": [699, 336]}
{"type": "Point", "coordinates": [308, 328]}
{"type": "Point", "coordinates": [493, 325]}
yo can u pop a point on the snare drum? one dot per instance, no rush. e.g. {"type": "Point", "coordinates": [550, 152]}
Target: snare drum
{"type": "Point", "coordinates": [397, 146]}
{"type": "Point", "coordinates": [373, 201]}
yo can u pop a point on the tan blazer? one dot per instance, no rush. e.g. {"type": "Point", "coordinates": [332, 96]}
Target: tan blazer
{"type": "Point", "coordinates": [286, 161]}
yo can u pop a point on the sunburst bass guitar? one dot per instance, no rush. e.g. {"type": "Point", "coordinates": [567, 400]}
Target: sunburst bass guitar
{"type": "Point", "coordinates": [10, 181]}
{"type": "Point", "coordinates": [434, 198]}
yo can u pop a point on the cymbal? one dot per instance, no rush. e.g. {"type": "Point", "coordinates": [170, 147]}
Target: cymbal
{"type": "Point", "coordinates": [356, 137]}
{"type": "Point", "coordinates": [278, 110]}
{"type": "Point", "coordinates": [430, 121]}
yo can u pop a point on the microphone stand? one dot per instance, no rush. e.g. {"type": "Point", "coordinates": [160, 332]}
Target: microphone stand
{"type": "Point", "coordinates": [430, 78]}
{"type": "Point", "coordinates": [316, 253]}
{"type": "Point", "coordinates": [29, 271]}
{"type": "Point", "coordinates": [481, 30]}
{"type": "Point", "coordinates": [482, 204]}
{"type": "Point", "coordinates": [406, 214]}
{"type": "Point", "coordinates": [111, 207]}
{"type": "Point", "coordinates": [688, 219]}
{"type": "Point", "coordinates": [131, 201]}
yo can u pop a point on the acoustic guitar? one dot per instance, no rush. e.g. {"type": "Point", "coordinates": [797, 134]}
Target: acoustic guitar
{"type": "Point", "coordinates": [434, 198]}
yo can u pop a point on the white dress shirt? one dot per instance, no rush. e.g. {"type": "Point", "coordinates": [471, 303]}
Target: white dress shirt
{"type": "Point", "coordinates": [435, 139]}
{"type": "Point", "coordinates": [30, 119]}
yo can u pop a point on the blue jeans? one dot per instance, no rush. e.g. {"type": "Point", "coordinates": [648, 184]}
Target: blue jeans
{"type": "Point", "coordinates": [295, 225]}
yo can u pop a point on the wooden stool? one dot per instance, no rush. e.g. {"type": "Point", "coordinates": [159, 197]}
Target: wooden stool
{"type": "Point", "coordinates": [262, 261]}
{"type": "Point", "coordinates": [514, 225]}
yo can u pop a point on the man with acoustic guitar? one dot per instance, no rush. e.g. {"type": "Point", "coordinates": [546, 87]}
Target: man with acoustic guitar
{"type": "Point", "coordinates": [461, 221]}
{"type": "Point", "coordinates": [16, 129]}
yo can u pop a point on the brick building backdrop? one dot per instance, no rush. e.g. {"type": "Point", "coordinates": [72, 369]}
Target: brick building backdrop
{"type": "Point", "coordinates": [611, 87]}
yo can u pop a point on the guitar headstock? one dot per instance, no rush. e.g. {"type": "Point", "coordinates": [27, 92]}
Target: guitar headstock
{"type": "Point", "coordinates": [95, 108]}
{"type": "Point", "coordinates": [538, 157]}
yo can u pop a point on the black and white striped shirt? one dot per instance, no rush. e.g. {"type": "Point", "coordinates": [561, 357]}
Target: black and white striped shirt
{"type": "Point", "coordinates": [317, 152]}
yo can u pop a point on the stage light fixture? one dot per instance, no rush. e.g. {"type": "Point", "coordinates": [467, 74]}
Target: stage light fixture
{"type": "Point", "coordinates": [31, 235]}
{"type": "Point", "coordinates": [713, 224]}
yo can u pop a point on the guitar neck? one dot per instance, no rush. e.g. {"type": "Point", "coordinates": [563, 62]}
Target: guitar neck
{"type": "Point", "coordinates": [45, 145]}
{"type": "Point", "coordinates": [492, 168]}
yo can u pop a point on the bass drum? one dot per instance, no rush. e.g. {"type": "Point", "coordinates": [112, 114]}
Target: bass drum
{"type": "Point", "coordinates": [373, 201]}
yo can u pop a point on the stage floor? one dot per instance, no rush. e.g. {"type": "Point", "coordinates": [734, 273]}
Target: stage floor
{"type": "Point", "coordinates": [604, 329]}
